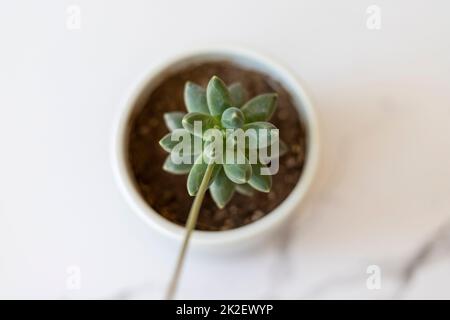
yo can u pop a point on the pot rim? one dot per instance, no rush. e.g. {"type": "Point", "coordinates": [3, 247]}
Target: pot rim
{"type": "Point", "coordinates": [244, 58]}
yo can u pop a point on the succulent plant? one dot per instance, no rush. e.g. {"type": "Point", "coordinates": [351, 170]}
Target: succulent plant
{"type": "Point", "coordinates": [225, 110]}
{"type": "Point", "coordinates": [220, 107]}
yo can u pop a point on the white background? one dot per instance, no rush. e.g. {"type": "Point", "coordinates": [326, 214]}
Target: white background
{"type": "Point", "coordinates": [383, 97]}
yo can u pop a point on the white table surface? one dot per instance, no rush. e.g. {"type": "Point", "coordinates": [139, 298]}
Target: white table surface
{"type": "Point", "coordinates": [382, 195]}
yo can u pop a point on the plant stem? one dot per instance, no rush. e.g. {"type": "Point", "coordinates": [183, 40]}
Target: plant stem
{"type": "Point", "coordinates": [190, 225]}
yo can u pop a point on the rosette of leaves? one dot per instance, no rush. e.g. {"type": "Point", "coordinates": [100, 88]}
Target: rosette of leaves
{"type": "Point", "coordinates": [221, 107]}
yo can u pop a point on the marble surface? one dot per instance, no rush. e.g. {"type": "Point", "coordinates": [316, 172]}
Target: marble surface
{"type": "Point", "coordinates": [380, 201]}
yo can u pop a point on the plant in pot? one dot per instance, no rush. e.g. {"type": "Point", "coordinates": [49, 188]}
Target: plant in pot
{"type": "Point", "coordinates": [233, 214]}
{"type": "Point", "coordinates": [224, 143]}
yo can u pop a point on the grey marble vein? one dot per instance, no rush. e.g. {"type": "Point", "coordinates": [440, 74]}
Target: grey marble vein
{"type": "Point", "coordinates": [436, 247]}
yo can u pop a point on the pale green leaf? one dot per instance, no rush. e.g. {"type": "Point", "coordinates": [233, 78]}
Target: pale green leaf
{"type": "Point", "coordinates": [204, 121]}
{"type": "Point", "coordinates": [195, 98]}
{"type": "Point", "coordinates": [197, 172]}
{"type": "Point", "coordinates": [174, 168]}
{"type": "Point", "coordinates": [257, 130]}
{"type": "Point", "coordinates": [222, 189]}
{"type": "Point", "coordinates": [173, 120]}
{"type": "Point", "coordinates": [232, 118]}
{"type": "Point", "coordinates": [170, 140]}
{"type": "Point", "coordinates": [258, 181]}
{"type": "Point", "coordinates": [283, 148]}
{"type": "Point", "coordinates": [196, 175]}
{"type": "Point", "coordinates": [217, 96]}
{"type": "Point", "coordinates": [238, 94]}
{"type": "Point", "coordinates": [260, 108]}
{"type": "Point", "coordinates": [238, 173]}
{"type": "Point", "coordinates": [245, 189]}
{"type": "Point", "coordinates": [271, 153]}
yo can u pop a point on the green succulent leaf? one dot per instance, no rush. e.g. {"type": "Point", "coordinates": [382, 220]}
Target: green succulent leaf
{"type": "Point", "coordinates": [167, 143]}
{"type": "Point", "coordinates": [245, 189]}
{"type": "Point", "coordinates": [174, 168]}
{"type": "Point", "coordinates": [177, 142]}
{"type": "Point", "coordinates": [215, 172]}
{"type": "Point", "coordinates": [238, 94]}
{"type": "Point", "coordinates": [196, 175]}
{"type": "Point", "coordinates": [256, 131]}
{"type": "Point", "coordinates": [207, 122]}
{"type": "Point", "coordinates": [258, 181]}
{"type": "Point", "coordinates": [238, 173]}
{"type": "Point", "coordinates": [217, 96]}
{"type": "Point", "coordinates": [222, 189]}
{"type": "Point", "coordinates": [232, 118]}
{"type": "Point", "coordinates": [195, 98]}
{"type": "Point", "coordinates": [170, 140]}
{"type": "Point", "coordinates": [283, 149]}
{"type": "Point", "coordinates": [173, 119]}
{"type": "Point", "coordinates": [259, 125]}
{"type": "Point", "coordinates": [197, 172]}
{"type": "Point", "coordinates": [260, 108]}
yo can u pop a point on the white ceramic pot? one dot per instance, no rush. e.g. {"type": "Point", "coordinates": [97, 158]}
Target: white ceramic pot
{"type": "Point", "coordinates": [248, 233]}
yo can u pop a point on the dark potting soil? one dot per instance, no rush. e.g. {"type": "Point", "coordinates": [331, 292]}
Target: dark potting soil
{"type": "Point", "coordinates": [167, 193]}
